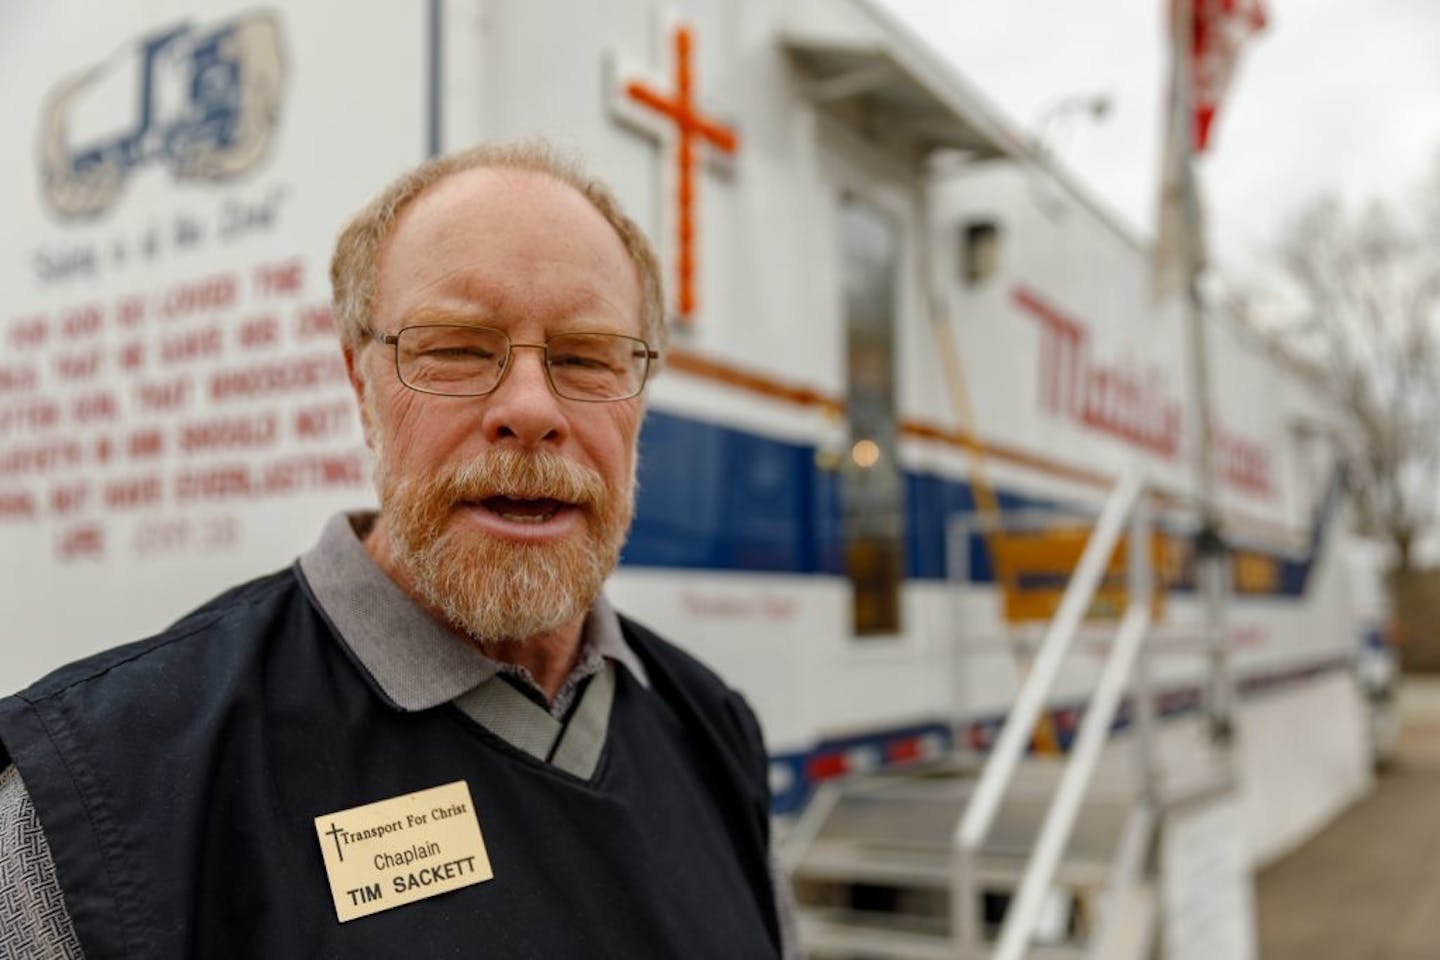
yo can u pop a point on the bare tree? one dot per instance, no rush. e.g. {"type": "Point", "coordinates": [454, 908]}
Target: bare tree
{"type": "Point", "coordinates": [1358, 303]}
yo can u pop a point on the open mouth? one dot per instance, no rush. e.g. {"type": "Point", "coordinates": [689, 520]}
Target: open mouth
{"type": "Point", "coordinates": [521, 510]}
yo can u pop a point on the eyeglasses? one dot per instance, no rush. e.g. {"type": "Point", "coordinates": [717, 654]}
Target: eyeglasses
{"type": "Point", "coordinates": [470, 361]}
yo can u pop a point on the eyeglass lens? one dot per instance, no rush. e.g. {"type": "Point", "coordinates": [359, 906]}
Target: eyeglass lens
{"type": "Point", "coordinates": [469, 361]}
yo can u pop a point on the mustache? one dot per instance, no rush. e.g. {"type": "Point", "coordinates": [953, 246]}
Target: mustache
{"type": "Point", "coordinates": [523, 476]}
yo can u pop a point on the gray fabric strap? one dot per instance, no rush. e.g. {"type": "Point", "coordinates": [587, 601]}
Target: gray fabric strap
{"type": "Point", "coordinates": [511, 716]}
{"type": "Point", "coordinates": [521, 722]}
{"type": "Point", "coordinates": [584, 737]}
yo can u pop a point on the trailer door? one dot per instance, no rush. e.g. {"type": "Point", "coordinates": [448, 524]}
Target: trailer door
{"type": "Point", "coordinates": [871, 479]}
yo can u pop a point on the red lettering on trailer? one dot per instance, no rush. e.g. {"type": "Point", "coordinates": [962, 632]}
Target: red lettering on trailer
{"type": "Point", "coordinates": [262, 331]}
{"type": "Point", "coordinates": [324, 420]}
{"type": "Point", "coordinates": [91, 407]}
{"type": "Point", "coordinates": [1242, 463]}
{"type": "Point", "coordinates": [191, 345]}
{"type": "Point", "coordinates": [132, 492]}
{"type": "Point", "coordinates": [17, 504]}
{"type": "Point", "coordinates": [86, 541]}
{"type": "Point", "coordinates": [132, 356]}
{"type": "Point", "coordinates": [78, 366]}
{"type": "Point", "coordinates": [313, 322]}
{"type": "Point", "coordinates": [145, 444]}
{"type": "Point", "coordinates": [228, 433]}
{"type": "Point", "coordinates": [164, 395]}
{"type": "Point", "coordinates": [295, 373]}
{"type": "Point", "coordinates": [41, 458]}
{"type": "Point", "coordinates": [31, 331]}
{"type": "Point", "coordinates": [34, 415]}
{"type": "Point", "coordinates": [17, 379]}
{"type": "Point", "coordinates": [199, 296]}
{"type": "Point", "coordinates": [213, 483]}
{"type": "Point", "coordinates": [285, 278]}
{"type": "Point", "coordinates": [66, 498]}
{"type": "Point", "coordinates": [130, 311]}
{"type": "Point", "coordinates": [81, 322]}
{"type": "Point", "coordinates": [1121, 399]}
{"type": "Point", "coordinates": [242, 481]}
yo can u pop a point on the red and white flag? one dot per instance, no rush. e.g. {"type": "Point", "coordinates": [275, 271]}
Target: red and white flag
{"type": "Point", "coordinates": [1219, 30]}
{"type": "Point", "coordinates": [1206, 39]}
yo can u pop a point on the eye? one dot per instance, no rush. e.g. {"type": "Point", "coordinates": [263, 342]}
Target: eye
{"type": "Point", "coordinates": [578, 361]}
{"type": "Point", "coordinates": [459, 353]}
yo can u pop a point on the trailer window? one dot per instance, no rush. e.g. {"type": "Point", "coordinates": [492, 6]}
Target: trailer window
{"type": "Point", "coordinates": [871, 498]}
{"type": "Point", "coordinates": [979, 251]}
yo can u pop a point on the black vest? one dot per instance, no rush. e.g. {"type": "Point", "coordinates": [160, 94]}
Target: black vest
{"type": "Point", "coordinates": [177, 781]}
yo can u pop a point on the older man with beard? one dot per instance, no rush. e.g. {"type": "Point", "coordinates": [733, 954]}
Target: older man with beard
{"type": "Point", "coordinates": [431, 736]}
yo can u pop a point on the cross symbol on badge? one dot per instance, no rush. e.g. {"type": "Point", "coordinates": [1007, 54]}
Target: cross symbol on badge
{"type": "Point", "coordinates": [335, 832]}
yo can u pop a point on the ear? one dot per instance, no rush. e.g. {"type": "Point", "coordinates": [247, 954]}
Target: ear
{"type": "Point", "coordinates": [356, 376]}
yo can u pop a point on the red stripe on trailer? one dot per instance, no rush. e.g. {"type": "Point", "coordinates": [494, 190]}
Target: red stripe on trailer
{"type": "Point", "coordinates": [826, 765]}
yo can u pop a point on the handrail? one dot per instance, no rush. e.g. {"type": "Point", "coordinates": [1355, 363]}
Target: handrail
{"type": "Point", "coordinates": [1125, 503]}
{"type": "Point", "coordinates": [1025, 909]}
{"type": "Point", "coordinates": [801, 837]}
{"type": "Point", "coordinates": [1005, 755]}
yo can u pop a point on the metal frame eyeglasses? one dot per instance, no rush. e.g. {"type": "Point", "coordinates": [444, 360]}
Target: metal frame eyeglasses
{"type": "Point", "coordinates": [465, 360]}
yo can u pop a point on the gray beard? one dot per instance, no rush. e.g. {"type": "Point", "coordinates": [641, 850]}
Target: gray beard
{"type": "Point", "coordinates": [497, 592]}
{"type": "Point", "coordinates": [494, 591]}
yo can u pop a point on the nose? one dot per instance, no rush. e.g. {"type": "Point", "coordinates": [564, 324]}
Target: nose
{"type": "Point", "coordinates": [523, 410]}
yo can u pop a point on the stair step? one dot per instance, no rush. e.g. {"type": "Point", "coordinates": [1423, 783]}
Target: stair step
{"type": "Point", "coordinates": [922, 811]}
{"type": "Point", "coordinates": [889, 836]}
{"type": "Point", "coordinates": [841, 861]}
{"type": "Point", "coordinates": [836, 861]}
{"type": "Point", "coordinates": [850, 935]}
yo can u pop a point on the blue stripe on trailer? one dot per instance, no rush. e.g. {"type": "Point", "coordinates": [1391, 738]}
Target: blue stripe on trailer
{"type": "Point", "coordinates": [714, 497]}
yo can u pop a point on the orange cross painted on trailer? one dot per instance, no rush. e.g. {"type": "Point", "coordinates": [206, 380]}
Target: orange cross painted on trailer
{"type": "Point", "coordinates": [691, 125]}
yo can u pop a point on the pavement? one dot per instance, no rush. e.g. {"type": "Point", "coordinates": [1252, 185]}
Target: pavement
{"type": "Point", "coordinates": [1368, 887]}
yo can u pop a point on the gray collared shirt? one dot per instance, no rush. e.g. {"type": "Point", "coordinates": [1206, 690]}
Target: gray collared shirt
{"type": "Point", "coordinates": [415, 662]}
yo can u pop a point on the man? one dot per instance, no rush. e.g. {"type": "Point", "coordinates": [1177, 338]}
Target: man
{"type": "Point", "coordinates": [432, 736]}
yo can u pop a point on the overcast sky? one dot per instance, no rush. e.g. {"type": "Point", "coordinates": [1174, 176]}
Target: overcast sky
{"type": "Point", "coordinates": [1335, 95]}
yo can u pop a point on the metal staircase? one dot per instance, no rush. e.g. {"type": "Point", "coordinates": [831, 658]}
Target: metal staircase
{"type": "Point", "coordinates": [1006, 856]}
{"type": "Point", "coordinates": [879, 875]}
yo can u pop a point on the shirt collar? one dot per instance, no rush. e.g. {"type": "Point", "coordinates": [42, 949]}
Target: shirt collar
{"type": "Point", "coordinates": [416, 661]}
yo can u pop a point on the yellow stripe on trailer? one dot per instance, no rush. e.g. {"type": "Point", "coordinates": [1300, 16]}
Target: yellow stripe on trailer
{"type": "Point", "coordinates": [1041, 562]}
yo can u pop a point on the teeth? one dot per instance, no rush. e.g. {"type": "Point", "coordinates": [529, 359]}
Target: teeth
{"type": "Point", "coordinates": [528, 518]}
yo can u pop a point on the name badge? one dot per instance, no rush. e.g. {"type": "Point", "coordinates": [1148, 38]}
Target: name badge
{"type": "Point", "coordinates": [393, 852]}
